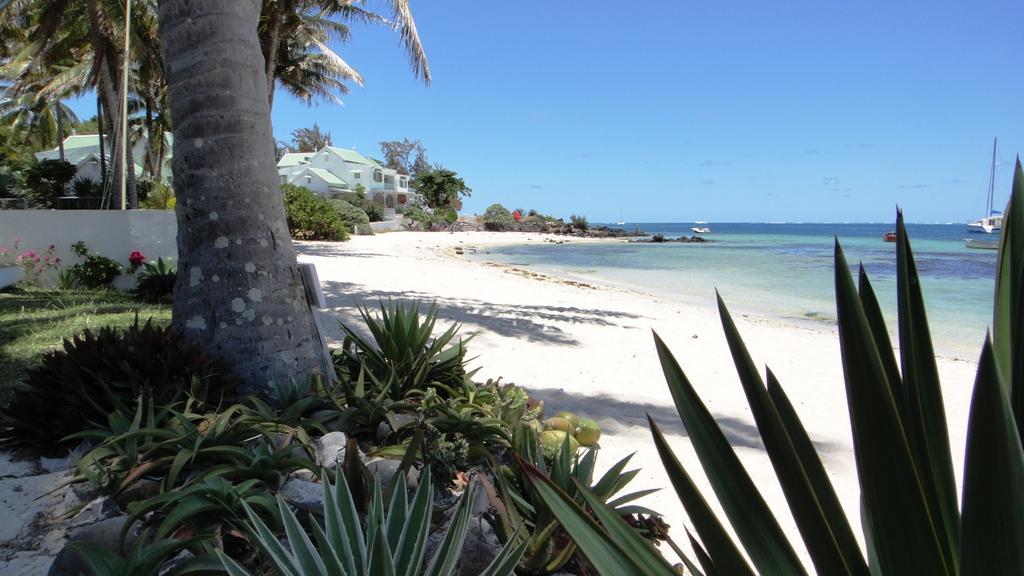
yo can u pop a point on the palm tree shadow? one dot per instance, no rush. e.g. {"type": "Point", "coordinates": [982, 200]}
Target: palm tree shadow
{"type": "Point", "coordinates": [524, 322]}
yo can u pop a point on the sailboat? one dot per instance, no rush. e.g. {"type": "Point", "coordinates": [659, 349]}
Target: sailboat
{"type": "Point", "coordinates": [621, 221]}
{"type": "Point", "coordinates": [993, 220]}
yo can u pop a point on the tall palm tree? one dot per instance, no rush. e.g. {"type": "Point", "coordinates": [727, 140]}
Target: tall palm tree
{"type": "Point", "coordinates": [239, 290]}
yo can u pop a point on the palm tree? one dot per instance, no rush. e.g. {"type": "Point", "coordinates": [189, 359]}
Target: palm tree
{"type": "Point", "coordinates": [239, 290]}
{"type": "Point", "coordinates": [294, 37]}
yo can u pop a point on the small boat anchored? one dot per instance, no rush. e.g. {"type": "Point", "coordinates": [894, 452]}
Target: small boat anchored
{"type": "Point", "coordinates": [981, 244]}
{"type": "Point", "coordinates": [701, 228]}
{"type": "Point", "coordinates": [889, 236]}
{"type": "Point", "coordinates": [993, 221]}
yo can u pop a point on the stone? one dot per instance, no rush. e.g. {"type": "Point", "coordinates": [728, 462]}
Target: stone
{"type": "Point", "coordinates": [77, 496]}
{"type": "Point", "coordinates": [480, 548]}
{"type": "Point", "coordinates": [95, 511]}
{"type": "Point", "coordinates": [304, 495]}
{"type": "Point", "coordinates": [330, 449]}
{"type": "Point", "coordinates": [174, 563]}
{"type": "Point", "coordinates": [139, 490]}
{"type": "Point", "coordinates": [104, 534]}
{"type": "Point", "coordinates": [303, 474]}
{"type": "Point", "coordinates": [55, 464]}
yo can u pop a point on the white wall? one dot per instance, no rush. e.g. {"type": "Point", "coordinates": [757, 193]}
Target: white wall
{"type": "Point", "coordinates": [111, 233]}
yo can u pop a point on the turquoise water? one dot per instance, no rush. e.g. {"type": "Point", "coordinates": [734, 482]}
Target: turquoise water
{"type": "Point", "coordinates": [786, 270]}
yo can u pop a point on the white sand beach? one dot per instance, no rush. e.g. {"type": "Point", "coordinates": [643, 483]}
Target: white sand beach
{"type": "Point", "coordinates": [589, 349]}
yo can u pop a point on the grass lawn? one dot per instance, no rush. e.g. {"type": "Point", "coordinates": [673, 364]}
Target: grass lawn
{"type": "Point", "coordinates": [34, 321]}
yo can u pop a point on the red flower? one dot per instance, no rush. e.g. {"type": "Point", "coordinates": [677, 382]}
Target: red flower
{"type": "Point", "coordinates": [137, 258]}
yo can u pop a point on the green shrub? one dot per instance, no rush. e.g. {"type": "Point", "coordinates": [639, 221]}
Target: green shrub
{"type": "Point", "coordinates": [156, 281]}
{"type": "Point", "coordinates": [579, 222]}
{"type": "Point", "coordinates": [310, 216]}
{"type": "Point", "coordinates": [101, 372]}
{"type": "Point", "coordinates": [94, 271]}
{"type": "Point", "coordinates": [85, 188]}
{"type": "Point", "coordinates": [374, 212]}
{"type": "Point", "coordinates": [353, 217]}
{"type": "Point", "coordinates": [498, 218]}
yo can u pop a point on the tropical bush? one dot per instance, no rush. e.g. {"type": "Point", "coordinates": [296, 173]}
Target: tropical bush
{"type": "Point", "coordinates": [156, 281]}
{"type": "Point", "coordinates": [353, 217]}
{"type": "Point", "coordinates": [46, 180]}
{"type": "Point", "coordinates": [159, 196]}
{"type": "Point", "coordinates": [310, 216]}
{"type": "Point", "coordinates": [579, 222]}
{"type": "Point", "coordinates": [98, 373]}
{"type": "Point", "coordinates": [912, 519]}
{"type": "Point", "coordinates": [497, 218]}
{"type": "Point", "coordinates": [94, 271]}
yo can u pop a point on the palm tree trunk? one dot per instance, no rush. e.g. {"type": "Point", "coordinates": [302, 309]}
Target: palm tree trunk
{"type": "Point", "coordinates": [60, 131]}
{"type": "Point", "coordinates": [239, 291]}
{"type": "Point", "coordinates": [99, 127]}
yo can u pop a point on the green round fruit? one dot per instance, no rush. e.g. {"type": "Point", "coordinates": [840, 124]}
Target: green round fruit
{"type": "Point", "coordinates": [551, 443]}
{"type": "Point", "coordinates": [563, 424]}
{"type": "Point", "coordinates": [570, 417]}
{"type": "Point", "coordinates": [588, 433]}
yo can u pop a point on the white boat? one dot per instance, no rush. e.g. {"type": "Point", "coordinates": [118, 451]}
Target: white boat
{"type": "Point", "coordinates": [701, 230]}
{"type": "Point", "coordinates": [981, 244]}
{"type": "Point", "coordinates": [993, 222]}
{"type": "Point", "coordinates": [621, 222]}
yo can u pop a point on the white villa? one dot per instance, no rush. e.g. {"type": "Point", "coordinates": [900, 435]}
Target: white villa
{"type": "Point", "coordinates": [83, 152]}
{"type": "Point", "coordinates": [336, 171]}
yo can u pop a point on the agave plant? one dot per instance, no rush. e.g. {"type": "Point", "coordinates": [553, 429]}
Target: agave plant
{"type": "Point", "coordinates": [156, 281]}
{"type": "Point", "coordinates": [404, 357]}
{"type": "Point", "coordinates": [912, 523]}
{"type": "Point", "coordinates": [525, 516]}
{"type": "Point", "coordinates": [393, 540]}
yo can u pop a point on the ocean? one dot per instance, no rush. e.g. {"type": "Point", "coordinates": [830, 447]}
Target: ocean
{"type": "Point", "coordinates": [786, 271]}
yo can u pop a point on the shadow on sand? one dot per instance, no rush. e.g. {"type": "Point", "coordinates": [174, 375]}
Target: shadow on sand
{"type": "Point", "coordinates": [530, 323]}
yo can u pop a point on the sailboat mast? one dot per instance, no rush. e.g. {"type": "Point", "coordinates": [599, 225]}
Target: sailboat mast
{"type": "Point", "coordinates": [992, 179]}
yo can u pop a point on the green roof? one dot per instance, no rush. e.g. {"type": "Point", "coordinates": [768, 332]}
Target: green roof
{"type": "Point", "coordinates": [329, 177]}
{"type": "Point", "coordinates": [354, 157]}
{"type": "Point", "coordinates": [294, 159]}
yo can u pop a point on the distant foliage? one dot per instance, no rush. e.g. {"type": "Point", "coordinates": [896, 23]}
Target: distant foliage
{"type": "Point", "coordinates": [45, 181]}
{"type": "Point", "coordinates": [85, 187]}
{"type": "Point", "coordinates": [498, 218]}
{"type": "Point", "coordinates": [579, 222]}
{"type": "Point", "coordinates": [99, 372]}
{"type": "Point", "coordinates": [310, 139]}
{"type": "Point", "coordinates": [442, 188]}
{"type": "Point", "coordinates": [353, 217]}
{"type": "Point", "coordinates": [406, 156]}
{"type": "Point", "coordinates": [310, 216]}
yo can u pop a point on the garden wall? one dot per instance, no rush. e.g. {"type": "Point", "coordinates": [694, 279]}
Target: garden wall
{"type": "Point", "coordinates": [106, 232]}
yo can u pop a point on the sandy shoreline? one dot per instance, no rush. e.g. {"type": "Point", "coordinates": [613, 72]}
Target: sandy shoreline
{"type": "Point", "coordinates": [588, 348]}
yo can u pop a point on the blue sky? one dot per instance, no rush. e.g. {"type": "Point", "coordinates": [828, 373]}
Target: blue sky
{"type": "Point", "coordinates": [683, 110]}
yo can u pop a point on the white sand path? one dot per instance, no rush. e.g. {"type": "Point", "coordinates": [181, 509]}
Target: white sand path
{"type": "Point", "coordinates": [589, 350]}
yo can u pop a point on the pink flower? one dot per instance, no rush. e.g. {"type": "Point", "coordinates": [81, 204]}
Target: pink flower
{"type": "Point", "coordinates": [57, 260]}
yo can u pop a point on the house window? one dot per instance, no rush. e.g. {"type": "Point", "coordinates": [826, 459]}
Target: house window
{"type": "Point", "coordinates": [326, 156]}
{"type": "Point", "coordinates": [378, 176]}
{"type": "Point", "coordinates": [309, 179]}
{"type": "Point", "coordinates": [284, 179]}
{"type": "Point", "coordinates": [403, 182]}
{"type": "Point", "coordinates": [356, 175]}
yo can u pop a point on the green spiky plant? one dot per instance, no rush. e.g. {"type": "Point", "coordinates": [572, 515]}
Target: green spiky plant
{"type": "Point", "coordinates": [404, 357]}
{"type": "Point", "coordinates": [392, 541]}
{"type": "Point", "coordinates": [912, 523]}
